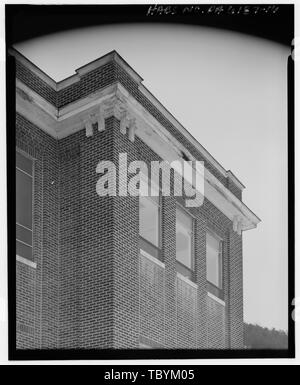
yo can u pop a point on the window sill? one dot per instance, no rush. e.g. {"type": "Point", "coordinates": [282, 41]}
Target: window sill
{"type": "Point", "coordinates": [153, 259]}
{"type": "Point", "coordinates": [26, 261]}
{"type": "Point", "coordinates": [220, 301]}
{"type": "Point", "coordinates": [187, 280]}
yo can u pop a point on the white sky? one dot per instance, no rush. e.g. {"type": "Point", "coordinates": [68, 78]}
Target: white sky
{"type": "Point", "coordinates": [229, 91]}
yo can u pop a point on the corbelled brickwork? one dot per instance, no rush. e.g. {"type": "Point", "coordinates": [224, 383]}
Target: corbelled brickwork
{"type": "Point", "coordinates": [99, 78]}
{"type": "Point", "coordinates": [91, 288]}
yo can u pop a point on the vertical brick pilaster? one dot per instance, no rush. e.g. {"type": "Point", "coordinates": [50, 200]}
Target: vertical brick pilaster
{"type": "Point", "coordinates": [169, 255]}
{"type": "Point", "coordinates": [86, 291]}
{"type": "Point", "coordinates": [200, 268]}
{"type": "Point", "coordinates": [236, 291]}
{"type": "Point", "coordinates": [125, 259]}
{"type": "Point", "coordinates": [226, 283]}
{"type": "Point", "coordinates": [96, 245]}
{"type": "Point", "coordinates": [38, 289]}
{"type": "Point", "coordinates": [70, 272]}
{"type": "Point", "coordinates": [50, 253]}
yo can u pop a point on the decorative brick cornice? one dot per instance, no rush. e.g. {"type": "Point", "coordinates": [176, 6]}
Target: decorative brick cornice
{"type": "Point", "coordinates": [237, 224]}
{"type": "Point", "coordinates": [134, 120]}
{"type": "Point", "coordinates": [115, 106]}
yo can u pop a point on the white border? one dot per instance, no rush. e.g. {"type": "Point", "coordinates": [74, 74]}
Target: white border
{"type": "Point", "coordinates": [3, 213]}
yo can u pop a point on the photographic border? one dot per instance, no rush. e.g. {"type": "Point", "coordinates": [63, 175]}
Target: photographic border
{"type": "Point", "coordinates": [118, 354]}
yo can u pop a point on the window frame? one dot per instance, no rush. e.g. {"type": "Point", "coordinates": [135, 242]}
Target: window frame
{"type": "Point", "coordinates": [32, 159]}
{"type": "Point", "coordinates": [218, 291]}
{"type": "Point", "coordinates": [158, 249]}
{"type": "Point", "coordinates": [181, 268]}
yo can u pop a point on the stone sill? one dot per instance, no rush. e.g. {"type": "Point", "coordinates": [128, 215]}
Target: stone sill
{"type": "Point", "coordinates": [26, 261]}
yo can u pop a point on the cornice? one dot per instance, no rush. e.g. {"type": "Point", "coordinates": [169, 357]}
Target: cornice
{"type": "Point", "coordinates": [135, 120]}
{"type": "Point", "coordinates": [114, 56]}
{"type": "Point", "coordinates": [79, 72]}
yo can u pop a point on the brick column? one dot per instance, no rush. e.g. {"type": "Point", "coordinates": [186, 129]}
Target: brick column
{"type": "Point", "coordinates": [236, 291]}
{"type": "Point", "coordinates": [96, 251]}
{"type": "Point", "coordinates": [226, 283]}
{"type": "Point", "coordinates": [125, 260]}
{"type": "Point", "coordinates": [200, 268]}
{"type": "Point", "coordinates": [169, 254]}
{"type": "Point", "coordinates": [50, 252]}
{"type": "Point", "coordinates": [70, 241]}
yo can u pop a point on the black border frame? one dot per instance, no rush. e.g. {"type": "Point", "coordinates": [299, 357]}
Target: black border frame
{"type": "Point", "coordinates": [14, 354]}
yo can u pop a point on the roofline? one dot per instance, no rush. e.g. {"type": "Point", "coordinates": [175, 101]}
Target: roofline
{"type": "Point", "coordinates": [114, 55]}
{"type": "Point", "coordinates": [40, 73]}
{"type": "Point", "coordinates": [231, 175]}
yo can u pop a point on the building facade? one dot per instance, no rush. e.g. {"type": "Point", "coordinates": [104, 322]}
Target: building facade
{"type": "Point", "coordinates": [118, 272]}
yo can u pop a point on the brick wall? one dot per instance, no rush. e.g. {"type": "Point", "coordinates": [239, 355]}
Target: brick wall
{"type": "Point", "coordinates": [39, 310]}
{"type": "Point", "coordinates": [216, 325]}
{"type": "Point", "coordinates": [25, 309]}
{"type": "Point", "coordinates": [70, 242]}
{"type": "Point", "coordinates": [207, 319]}
{"type": "Point", "coordinates": [35, 83]}
{"type": "Point", "coordinates": [96, 246]}
{"type": "Point", "coordinates": [91, 288]}
{"type": "Point", "coordinates": [90, 271]}
{"type": "Point", "coordinates": [236, 291]}
{"type": "Point", "coordinates": [169, 251]}
{"type": "Point", "coordinates": [186, 315]}
{"type": "Point", "coordinates": [152, 316]}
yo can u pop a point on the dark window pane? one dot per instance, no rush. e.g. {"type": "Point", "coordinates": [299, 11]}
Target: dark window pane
{"type": "Point", "coordinates": [24, 250]}
{"type": "Point", "coordinates": [24, 235]}
{"type": "Point", "coordinates": [214, 260]}
{"type": "Point", "coordinates": [149, 220]}
{"type": "Point", "coordinates": [24, 163]}
{"type": "Point", "coordinates": [185, 271]}
{"type": "Point", "coordinates": [184, 239]}
{"type": "Point", "coordinates": [149, 248]}
{"type": "Point", "coordinates": [23, 199]}
{"type": "Point", "coordinates": [215, 290]}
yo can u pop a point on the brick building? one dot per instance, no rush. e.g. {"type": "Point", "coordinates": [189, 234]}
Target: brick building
{"type": "Point", "coordinates": [118, 271]}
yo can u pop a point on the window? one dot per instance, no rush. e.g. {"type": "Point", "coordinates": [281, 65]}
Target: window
{"type": "Point", "coordinates": [214, 263]}
{"type": "Point", "coordinates": [150, 234]}
{"type": "Point", "coordinates": [184, 243]}
{"type": "Point", "coordinates": [24, 176]}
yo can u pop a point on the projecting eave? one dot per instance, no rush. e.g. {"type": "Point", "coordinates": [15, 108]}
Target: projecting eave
{"type": "Point", "coordinates": [79, 72]}
{"type": "Point", "coordinates": [32, 67]}
{"type": "Point", "coordinates": [114, 56]}
{"type": "Point", "coordinates": [115, 101]}
{"type": "Point", "coordinates": [235, 180]}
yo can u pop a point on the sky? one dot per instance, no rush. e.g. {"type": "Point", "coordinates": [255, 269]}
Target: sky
{"type": "Point", "coordinates": [229, 91]}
